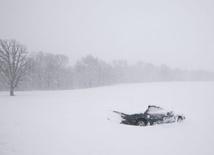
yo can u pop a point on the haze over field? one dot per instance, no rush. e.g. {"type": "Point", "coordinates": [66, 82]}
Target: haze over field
{"type": "Point", "coordinates": [133, 52]}
{"type": "Point", "coordinates": [177, 33]}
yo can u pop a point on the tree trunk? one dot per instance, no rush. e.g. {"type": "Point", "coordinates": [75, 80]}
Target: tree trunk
{"type": "Point", "coordinates": [12, 92]}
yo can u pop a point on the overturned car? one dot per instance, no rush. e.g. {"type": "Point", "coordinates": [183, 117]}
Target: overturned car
{"type": "Point", "coordinates": [153, 115]}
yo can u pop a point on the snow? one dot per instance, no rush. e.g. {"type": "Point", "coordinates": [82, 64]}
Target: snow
{"type": "Point", "coordinates": [156, 110]}
{"type": "Point", "coordinates": [75, 121]}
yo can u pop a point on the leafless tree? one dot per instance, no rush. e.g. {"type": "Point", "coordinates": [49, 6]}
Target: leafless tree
{"type": "Point", "coordinates": [13, 62]}
{"type": "Point", "coordinates": [50, 71]}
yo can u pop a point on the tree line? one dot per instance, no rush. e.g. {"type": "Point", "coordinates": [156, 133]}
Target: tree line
{"type": "Point", "coordinates": [22, 70]}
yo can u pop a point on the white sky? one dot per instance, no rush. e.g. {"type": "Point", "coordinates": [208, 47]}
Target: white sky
{"type": "Point", "coordinates": [179, 33]}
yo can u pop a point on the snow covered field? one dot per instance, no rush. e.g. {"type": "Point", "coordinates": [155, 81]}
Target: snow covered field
{"type": "Point", "coordinates": [74, 122]}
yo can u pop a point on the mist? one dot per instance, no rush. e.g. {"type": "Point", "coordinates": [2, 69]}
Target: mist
{"type": "Point", "coordinates": [70, 69]}
{"type": "Point", "coordinates": [177, 33]}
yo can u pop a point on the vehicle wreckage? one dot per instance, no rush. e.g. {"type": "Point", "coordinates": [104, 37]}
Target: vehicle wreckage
{"type": "Point", "coordinates": [153, 115]}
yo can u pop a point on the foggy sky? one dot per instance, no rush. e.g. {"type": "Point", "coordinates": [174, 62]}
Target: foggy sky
{"type": "Point", "coordinates": [179, 33]}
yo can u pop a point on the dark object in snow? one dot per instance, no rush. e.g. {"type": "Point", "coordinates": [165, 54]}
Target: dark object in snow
{"type": "Point", "coordinates": [153, 115]}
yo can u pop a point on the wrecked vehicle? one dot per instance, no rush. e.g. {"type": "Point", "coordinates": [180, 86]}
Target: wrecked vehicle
{"type": "Point", "coordinates": [153, 115]}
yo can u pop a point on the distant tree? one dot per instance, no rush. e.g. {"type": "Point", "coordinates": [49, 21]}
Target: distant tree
{"type": "Point", "coordinates": [2, 84]}
{"type": "Point", "coordinates": [121, 71]}
{"type": "Point", "coordinates": [50, 71]}
{"type": "Point", "coordinates": [60, 63]}
{"type": "Point", "coordinates": [165, 73]}
{"type": "Point", "coordinates": [14, 63]}
{"type": "Point", "coordinates": [91, 72]}
{"type": "Point", "coordinates": [142, 72]}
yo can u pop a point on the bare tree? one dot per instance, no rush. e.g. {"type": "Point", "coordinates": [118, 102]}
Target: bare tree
{"type": "Point", "coordinates": [50, 71]}
{"type": "Point", "coordinates": [13, 62]}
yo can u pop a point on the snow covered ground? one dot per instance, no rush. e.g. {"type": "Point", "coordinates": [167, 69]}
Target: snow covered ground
{"type": "Point", "coordinates": [74, 122]}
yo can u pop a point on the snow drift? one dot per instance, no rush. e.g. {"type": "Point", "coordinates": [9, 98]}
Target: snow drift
{"type": "Point", "coordinates": [75, 121]}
